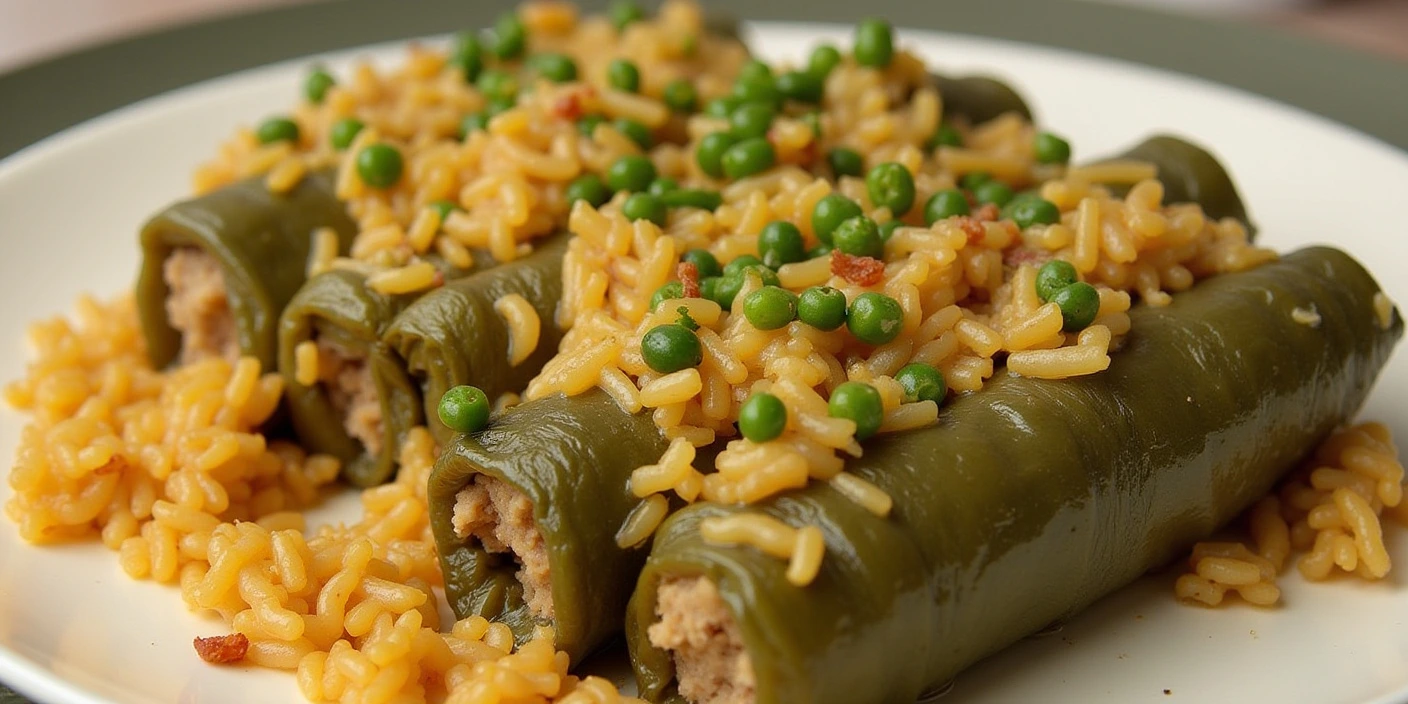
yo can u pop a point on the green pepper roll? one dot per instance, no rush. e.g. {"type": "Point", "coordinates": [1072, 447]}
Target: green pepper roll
{"type": "Point", "coordinates": [1031, 500]}
{"type": "Point", "coordinates": [1191, 175]}
{"type": "Point", "coordinates": [218, 270]}
{"type": "Point", "coordinates": [453, 335]}
{"type": "Point", "coordinates": [523, 514]}
{"type": "Point", "coordinates": [977, 99]}
{"type": "Point", "coordinates": [364, 401]}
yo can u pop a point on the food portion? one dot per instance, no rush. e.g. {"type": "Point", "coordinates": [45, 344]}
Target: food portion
{"type": "Point", "coordinates": [1010, 502]}
{"type": "Point", "coordinates": [217, 270]}
{"type": "Point", "coordinates": [771, 366]}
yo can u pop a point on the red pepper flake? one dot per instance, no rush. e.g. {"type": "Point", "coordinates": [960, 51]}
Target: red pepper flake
{"type": "Point", "coordinates": [862, 271]}
{"type": "Point", "coordinates": [972, 227]}
{"type": "Point", "coordinates": [987, 213]}
{"type": "Point", "coordinates": [219, 650]}
{"type": "Point", "coordinates": [689, 279]}
{"type": "Point", "coordinates": [568, 107]}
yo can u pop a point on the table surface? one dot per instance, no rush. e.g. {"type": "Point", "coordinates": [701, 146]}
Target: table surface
{"type": "Point", "coordinates": [32, 31]}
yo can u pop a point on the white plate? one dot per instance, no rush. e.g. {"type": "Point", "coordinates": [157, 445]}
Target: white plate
{"type": "Point", "coordinates": [73, 628]}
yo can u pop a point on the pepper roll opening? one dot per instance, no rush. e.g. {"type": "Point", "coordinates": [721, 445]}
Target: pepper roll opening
{"type": "Point", "coordinates": [257, 241]}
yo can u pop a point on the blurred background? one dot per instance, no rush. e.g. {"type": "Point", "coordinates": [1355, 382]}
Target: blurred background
{"type": "Point", "coordinates": [31, 30]}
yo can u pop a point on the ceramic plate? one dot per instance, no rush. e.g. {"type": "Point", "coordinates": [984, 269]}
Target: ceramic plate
{"type": "Point", "coordinates": [73, 628]}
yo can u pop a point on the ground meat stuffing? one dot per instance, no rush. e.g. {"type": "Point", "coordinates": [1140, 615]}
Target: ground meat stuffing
{"type": "Point", "coordinates": [711, 666]}
{"type": "Point", "coordinates": [348, 379]}
{"type": "Point", "coordinates": [221, 650]}
{"type": "Point", "coordinates": [197, 307]}
{"type": "Point", "coordinates": [500, 517]}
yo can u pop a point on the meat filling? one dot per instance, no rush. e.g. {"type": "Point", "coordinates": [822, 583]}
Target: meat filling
{"type": "Point", "coordinates": [500, 517]}
{"type": "Point", "coordinates": [197, 306]}
{"type": "Point", "coordinates": [352, 392]}
{"type": "Point", "coordinates": [711, 665]}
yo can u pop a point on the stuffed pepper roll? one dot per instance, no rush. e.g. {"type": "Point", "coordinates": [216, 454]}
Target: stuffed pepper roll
{"type": "Point", "coordinates": [349, 394]}
{"type": "Point", "coordinates": [1028, 501]}
{"type": "Point", "coordinates": [523, 539]}
{"type": "Point", "coordinates": [978, 99]}
{"type": "Point", "coordinates": [218, 270]}
{"type": "Point", "coordinates": [493, 330]}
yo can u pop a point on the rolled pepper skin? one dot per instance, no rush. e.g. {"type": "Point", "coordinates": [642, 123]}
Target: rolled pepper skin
{"type": "Point", "coordinates": [261, 240]}
{"type": "Point", "coordinates": [1032, 498]}
{"type": "Point", "coordinates": [453, 335]}
{"type": "Point", "coordinates": [573, 458]}
{"type": "Point", "coordinates": [977, 98]}
{"type": "Point", "coordinates": [1190, 174]}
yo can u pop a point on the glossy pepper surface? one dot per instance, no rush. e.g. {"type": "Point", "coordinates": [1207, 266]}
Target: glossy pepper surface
{"type": "Point", "coordinates": [452, 335]}
{"type": "Point", "coordinates": [573, 458]}
{"type": "Point", "coordinates": [1033, 498]}
{"type": "Point", "coordinates": [261, 241]}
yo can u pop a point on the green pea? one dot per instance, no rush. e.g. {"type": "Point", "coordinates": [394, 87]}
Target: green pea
{"type": "Point", "coordinates": [622, 74]}
{"type": "Point", "coordinates": [824, 58]}
{"type": "Point", "coordinates": [669, 292]}
{"type": "Point", "coordinates": [443, 208]}
{"type": "Point", "coordinates": [890, 185]}
{"type": "Point", "coordinates": [801, 86]}
{"type": "Point", "coordinates": [643, 206]}
{"type": "Point", "coordinates": [875, 45]}
{"type": "Point", "coordinates": [845, 162]}
{"type": "Point", "coordinates": [692, 198]}
{"type": "Point", "coordinates": [637, 132]}
{"type": "Point", "coordinates": [632, 172]}
{"type": "Point", "coordinates": [704, 262]}
{"type": "Point", "coordinates": [727, 288]}
{"type": "Point", "coordinates": [721, 107]}
{"type": "Point", "coordinates": [343, 132]}
{"type": "Point", "coordinates": [709, 289]}
{"type": "Point", "coordinates": [830, 212]}
{"type": "Point", "coordinates": [780, 243]}
{"type": "Point", "coordinates": [1079, 302]}
{"type": "Point", "coordinates": [812, 119]}
{"type": "Point", "coordinates": [972, 180]}
{"type": "Point", "coordinates": [509, 37]}
{"type": "Point", "coordinates": [1054, 276]}
{"type": "Point", "coordinates": [946, 136]}
{"type": "Point", "coordinates": [590, 188]}
{"type": "Point", "coordinates": [316, 85]}
{"type": "Point", "coordinates": [859, 237]}
{"type": "Point", "coordinates": [995, 192]}
{"type": "Point", "coordinates": [770, 308]}
{"type": "Point", "coordinates": [472, 123]}
{"type": "Point", "coordinates": [1032, 210]}
{"type": "Point", "coordinates": [748, 157]}
{"type": "Point", "coordinates": [467, 56]}
{"type": "Point", "coordinates": [755, 70]}
{"type": "Point", "coordinates": [875, 318]}
{"type": "Point", "coordinates": [710, 152]}
{"type": "Point", "coordinates": [669, 348]}
{"type": "Point", "coordinates": [859, 402]}
{"type": "Point", "coordinates": [558, 68]}
{"type": "Point", "coordinates": [379, 165]}
{"type": "Point", "coordinates": [1051, 149]}
{"type": "Point", "coordinates": [738, 265]}
{"type": "Point", "coordinates": [945, 204]}
{"type": "Point", "coordinates": [762, 417]}
{"type": "Point", "coordinates": [277, 129]}
{"type": "Point", "coordinates": [464, 409]}
{"type": "Point", "coordinates": [887, 229]}
{"type": "Point", "coordinates": [822, 307]}
{"type": "Point", "coordinates": [680, 95]}
{"type": "Point", "coordinates": [820, 250]}
{"type": "Point", "coordinates": [624, 12]}
{"type": "Point", "coordinates": [751, 120]}
{"type": "Point", "coordinates": [586, 124]}
{"type": "Point", "coordinates": [662, 185]}
{"type": "Point", "coordinates": [499, 104]}
{"type": "Point", "coordinates": [921, 382]}
{"type": "Point", "coordinates": [494, 83]}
